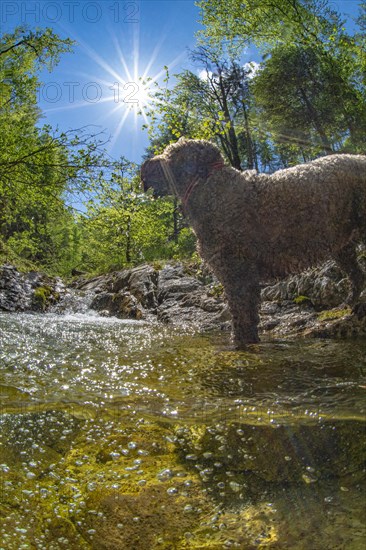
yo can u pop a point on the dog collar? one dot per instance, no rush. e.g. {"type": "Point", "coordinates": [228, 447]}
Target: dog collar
{"type": "Point", "coordinates": [213, 168]}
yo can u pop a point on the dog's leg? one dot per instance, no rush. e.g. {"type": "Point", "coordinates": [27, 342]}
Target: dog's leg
{"type": "Point", "coordinates": [347, 261]}
{"type": "Point", "coordinates": [242, 290]}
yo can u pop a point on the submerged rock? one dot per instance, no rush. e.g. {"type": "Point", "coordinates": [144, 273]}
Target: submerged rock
{"type": "Point", "coordinates": [292, 453]}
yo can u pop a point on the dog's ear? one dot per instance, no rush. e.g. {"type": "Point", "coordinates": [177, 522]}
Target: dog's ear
{"type": "Point", "coordinates": [182, 139]}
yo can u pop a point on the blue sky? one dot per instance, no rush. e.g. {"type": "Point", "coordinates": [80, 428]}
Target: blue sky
{"type": "Point", "coordinates": [118, 41]}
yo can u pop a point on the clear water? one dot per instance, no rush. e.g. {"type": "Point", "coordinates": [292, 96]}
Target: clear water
{"type": "Point", "coordinates": [123, 434]}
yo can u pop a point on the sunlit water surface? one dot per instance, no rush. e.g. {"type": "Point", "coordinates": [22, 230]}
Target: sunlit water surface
{"type": "Point", "coordinates": [124, 434]}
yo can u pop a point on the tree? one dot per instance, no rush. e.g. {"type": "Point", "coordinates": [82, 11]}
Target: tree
{"type": "Point", "coordinates": [216, 104]}
{"type": "Point", "coordinates": [292, 90]}
{"type": "Point", "coordinates": [123, 226]}
{"type": "Point", "coordinates": [268, 23]}
{"type": "Point", "coordinates": [308, 39]}
{"type": "Point", "coordinates": [40, 168]}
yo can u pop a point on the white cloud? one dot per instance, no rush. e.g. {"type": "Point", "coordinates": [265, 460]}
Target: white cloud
{"type": "Point", "coordinates": [253, 67]}
{"type": "Point", "coordinates": [204, 75]}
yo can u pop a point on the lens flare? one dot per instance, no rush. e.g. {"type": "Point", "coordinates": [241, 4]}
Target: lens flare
{"type": "Point", "coordinates": [126, 86]}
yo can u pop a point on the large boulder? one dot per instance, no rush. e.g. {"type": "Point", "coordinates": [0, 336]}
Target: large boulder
{"type": "Point", "coordinates": [140, 281]}
{"type": "Point", "coordinates": [120, 304]}
{"type": "Point", "coordinates": [184, 300]}
{"type": "Point", "coordinates": [31, 291]}
{"type": "Point", "coordinates": [325, 287]}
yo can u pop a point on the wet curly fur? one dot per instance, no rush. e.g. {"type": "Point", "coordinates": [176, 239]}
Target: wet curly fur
{"type": "Point", "coordinates": [252, 227]}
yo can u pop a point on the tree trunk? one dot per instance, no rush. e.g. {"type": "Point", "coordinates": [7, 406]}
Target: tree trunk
{"type": "Point", "coordinates": [128, 242]}
{"type": "Point", "coordinates": [175, 221]}
{"type": "Point", "coordinates": [233, 140]}
{"type": "Point", "coordinates": [317, 124]}
{"type": "Point", "coordinates": [250, 148]}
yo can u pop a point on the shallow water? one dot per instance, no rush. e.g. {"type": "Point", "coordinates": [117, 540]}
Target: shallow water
{"type": "Point", "coordinates": [124, 434]}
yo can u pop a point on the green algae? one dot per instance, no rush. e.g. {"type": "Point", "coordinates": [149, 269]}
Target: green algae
{"type": "Point", "coordinates": [42, 296]}
{"type": "Point", "coordinates": [155, 485]}
{"type": "Point", "coordinates": [336, 313]}
{"type": "Point", "coordinates": [302, 300]}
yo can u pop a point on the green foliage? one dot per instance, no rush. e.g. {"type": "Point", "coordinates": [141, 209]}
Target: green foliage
{"type": "Point", "coordinates": [185, 246]}
{"type": "Point", "coordinates": [216, 290]}
{"type": "Point", "coordinates": [310, 94]}
{"type": "Point", "coordinates": [123, 226]}
{"type": "Point", "coordinates": [294, 91]}
{"type": "Point", "coordinates": [40, 168]}
{"type": "Point", "coordinates": [268, 23]}
{"type": "Point", "coordinates": [214, 105]}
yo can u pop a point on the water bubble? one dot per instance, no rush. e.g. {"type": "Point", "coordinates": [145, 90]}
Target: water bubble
{"type": "Point", "coordinates": [114, 455]}
{"type": "Point", "coordinates": [165, 474]}
{"type": "Point", "coordinates": [234, 486]}
{"type": "Point", "coordinates": [207, 455]}
{"type": "Point", "coordinates": [142, 452]}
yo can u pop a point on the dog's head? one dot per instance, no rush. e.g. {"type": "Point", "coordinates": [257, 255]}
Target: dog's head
{"type": "Point", "coordinates": [152, 177]}
{"type": "Point", "coordinates": [181, 163]}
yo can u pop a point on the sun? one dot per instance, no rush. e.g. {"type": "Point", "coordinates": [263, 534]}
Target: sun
{"type": "Point", "coordinates": [132, 91]}
{"type": "Point", "coordinates": [125, 88]}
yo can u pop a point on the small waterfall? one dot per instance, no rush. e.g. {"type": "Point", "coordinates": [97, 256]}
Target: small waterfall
{"type": "Point", "coordinates": [74, 301]}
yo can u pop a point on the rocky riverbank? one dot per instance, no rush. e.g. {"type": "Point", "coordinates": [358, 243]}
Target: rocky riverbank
{"type": "Point", "coordinates": [32, 291]}
{"type": "Point", "coordinates": [302, 305]}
